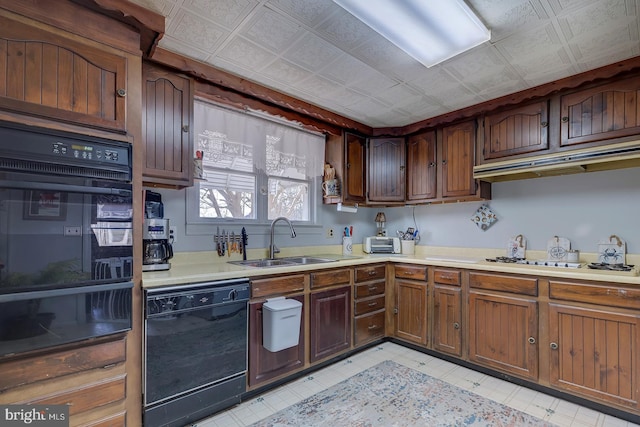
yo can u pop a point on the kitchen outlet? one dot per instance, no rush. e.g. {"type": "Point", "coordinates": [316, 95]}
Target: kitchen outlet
{"type": "Point", "coordinates": [329, 233]}
{"type": "Point", "coordinates": [72, 231]}
{"type": "Point", "coordinates": [172, 233]}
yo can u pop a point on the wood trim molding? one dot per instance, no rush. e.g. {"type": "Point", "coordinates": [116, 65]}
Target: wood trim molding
{"type": "Point", "coordinates": [149, 24]}
{"type": "Point", "coordinates": [617, 69]}
{"type": "Point", "coordinates": [240, 92]}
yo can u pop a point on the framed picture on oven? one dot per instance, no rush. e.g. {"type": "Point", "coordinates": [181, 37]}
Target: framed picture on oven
{"type": "Point", "coordinates": [45, 205]}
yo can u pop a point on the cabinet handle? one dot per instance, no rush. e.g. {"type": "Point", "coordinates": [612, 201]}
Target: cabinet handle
{"type": "Point", "coordinates": [401, 168]}
{"type": "Point", "coordinates": [373, 288]}
{"type": "Point", "coordinates": [554, 346]}
{"type": "Point", "coordinates": [432, 164]}
{"type": "Point", "coordinates": [372, 304]}
{"type": "Point", "coordinates": [531, 340]}
{"type": "Point", "coordinates": [185, 128]}
{"type": "Point", "coordinates": [444, 162]}
{"type": "Point", "coordinates": [544, 124]}
{"type": "Point", "coordinates": [348, 165]}
{"type": "Point", "coordinates": [456, 325]}
{"type": "Point", "coordinates": [565, 119]}
{"type": "Point", "coordinates": [121, 93]}
{"type": "Point", "coordinates": [373, 327]}
{"type": "Point", "coordinates": [372, 273]}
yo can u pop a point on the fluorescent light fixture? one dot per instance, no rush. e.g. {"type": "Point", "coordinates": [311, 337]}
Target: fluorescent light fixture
{"type": "Point", "coordinates": [431, 31]}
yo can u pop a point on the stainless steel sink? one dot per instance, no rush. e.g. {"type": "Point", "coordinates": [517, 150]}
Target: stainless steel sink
{"type": "Point", "coordinates": [282, 262]}
{"type": "Point", "coordinates": [308, 260]}
{"type": "Point", "coordinates": [263, 263]}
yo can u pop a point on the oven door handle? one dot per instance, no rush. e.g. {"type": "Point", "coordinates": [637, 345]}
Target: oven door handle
{"type": "Point", "coordinates": [48, 186]}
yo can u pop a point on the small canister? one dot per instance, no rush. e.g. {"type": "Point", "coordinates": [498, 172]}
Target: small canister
{"type": "Point", "coordinates": [573, 255]}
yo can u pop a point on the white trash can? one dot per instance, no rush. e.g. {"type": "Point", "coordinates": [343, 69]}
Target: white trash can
{"type": "Point", "coordinates": [281, 323]}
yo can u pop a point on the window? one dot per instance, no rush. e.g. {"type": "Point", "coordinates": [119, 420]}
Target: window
{"type": "Point", "coordinates": [253, 169]}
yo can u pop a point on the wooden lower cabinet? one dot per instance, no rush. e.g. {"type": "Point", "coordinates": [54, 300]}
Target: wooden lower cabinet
{"type": "Point", "coordinates": [90, 379]}
{"type": "Point", "coordinates": [502, 333]}
{"type": "Point", "coordinates": [264, 364]}
{"type": "Point", "coordinates": [447, 311]}
{"type": "Point", "coordinates": [369, 317]}
{"type": "Point", "coordinates": [594, 352]}
{"type": "Point", "coordinates": [329, 322]}
{"type": "Point", "coordinates": [447, 319]}
{"type": "Point", "coordinates": [411, 311]}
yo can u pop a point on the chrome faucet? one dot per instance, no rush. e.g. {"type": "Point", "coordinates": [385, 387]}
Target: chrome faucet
{"type": "Point", "coordinates": [273, 249]}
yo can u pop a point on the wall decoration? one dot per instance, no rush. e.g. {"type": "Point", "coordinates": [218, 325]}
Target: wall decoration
{"type": "Point", "coordinates": [484, 217]}
{"type": "Point", "coordinates": [45, 205]}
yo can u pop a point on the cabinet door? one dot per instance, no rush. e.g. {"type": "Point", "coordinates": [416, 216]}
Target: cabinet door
{"type": "Point", "coordinates": [421, 167]}
{"type": "Point", "coordinates": [447, 319]}
{"type": "Point", "coordinates": [599, 113]}
{"type": "Point", "coordinates": [166, 125]}
{"type": "Point", "coordinates": [386, 173]}
{"type": "Point", "coordinates": [47, 75]}
{"type": "Point", "coordinates": [503, 333]}
{"type": "Point", "coordinates": [458, 159]}
{"type": "Point", "coordinates": [330, 322]}
{"type": "Point", "coordinates": [516, 131]}
{"type": "Point", "coordinates": [594, 352]}
{"type": "Point", "coordinates": [411, 311]}
{"type": "Point", "coordinates": [263, 364]}
{"type": "Point", "coordinates": [355, 168]}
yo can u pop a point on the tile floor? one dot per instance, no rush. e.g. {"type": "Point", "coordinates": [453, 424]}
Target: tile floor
{"type": "Point", "coordinates": [554, 410]}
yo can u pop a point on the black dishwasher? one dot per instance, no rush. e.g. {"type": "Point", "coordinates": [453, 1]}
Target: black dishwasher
{"type": "Point", "coordinates": [195, 357]}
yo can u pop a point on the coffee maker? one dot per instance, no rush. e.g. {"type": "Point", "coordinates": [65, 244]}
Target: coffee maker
{"type": "Point", "coordinates": [156, 245]}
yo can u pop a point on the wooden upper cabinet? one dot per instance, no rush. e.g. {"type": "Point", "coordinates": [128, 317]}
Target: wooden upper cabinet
{"type": "Point", "coordinates": [386, 173]}
{"type": "Point", "coordinates": [167, 123]}
{"type": "Point", "coordinates": [516, 131]}
{"type": "Point", "coordinates": [458, 159]}
{"type": "Point", "coordinates": [421, 166]}
{"type": "Point", "coordinates": [354, 168]}
{"type": "Point", "coordinates": [48, 75]}
{"type": "Point", "coordinates": [599, 113]}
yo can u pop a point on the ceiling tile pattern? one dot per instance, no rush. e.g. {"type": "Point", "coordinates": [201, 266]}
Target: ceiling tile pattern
{"type": "Point", "coordinates": [315, 51]}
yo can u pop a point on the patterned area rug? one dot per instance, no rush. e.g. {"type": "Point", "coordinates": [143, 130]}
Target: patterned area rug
{"type": "Point", "coordinates": [390, 394]}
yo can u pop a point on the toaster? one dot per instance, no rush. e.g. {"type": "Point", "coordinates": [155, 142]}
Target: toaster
{"type": "Point", "coordinates": [381, 245]}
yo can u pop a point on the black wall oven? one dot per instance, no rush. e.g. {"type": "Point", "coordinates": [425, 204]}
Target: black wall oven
{"type": "Point", "coordinates": [66, 254]}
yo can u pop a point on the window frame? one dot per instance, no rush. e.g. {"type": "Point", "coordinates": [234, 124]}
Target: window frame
{"type": "Point", "coordinates": [199, 225]}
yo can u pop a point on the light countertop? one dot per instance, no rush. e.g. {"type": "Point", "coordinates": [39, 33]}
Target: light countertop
{"type": "Point", "coordinates": [197, 267]}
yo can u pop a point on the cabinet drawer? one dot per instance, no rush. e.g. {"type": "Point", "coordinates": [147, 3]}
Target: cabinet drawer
{"type": "Point", "coordinates": [362, 274]}
{"type": "Point", "coordinates": [330, 277]}
{"type": "Point", "coordinates": [615, 296]}
{"type": "Point", "coordinates": [280, 285]}
{"type": "Point", "coordinates": [416, 272]}
{"type": "Point", "coordinates": [368, 305]}
{"type": "Point", "coordinates": [370, 289]}
{"type": "Point", "coordinates": [369, 327]}
{"type": "Point", "coordinates": [87, 396]}
{"type": "Point", "coordinates": [31, 370]}
{"type": "Point", "coordinates": [449, 277]}
{"type": "Point", "coordinates": [499, 282]}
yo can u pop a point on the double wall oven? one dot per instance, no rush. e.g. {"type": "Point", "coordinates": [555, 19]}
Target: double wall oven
{"type": "Point", "coordinates": [66, 257]}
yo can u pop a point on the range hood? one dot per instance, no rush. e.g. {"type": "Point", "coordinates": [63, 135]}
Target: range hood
{"type": "Point", "coordinates": [605, 157]}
